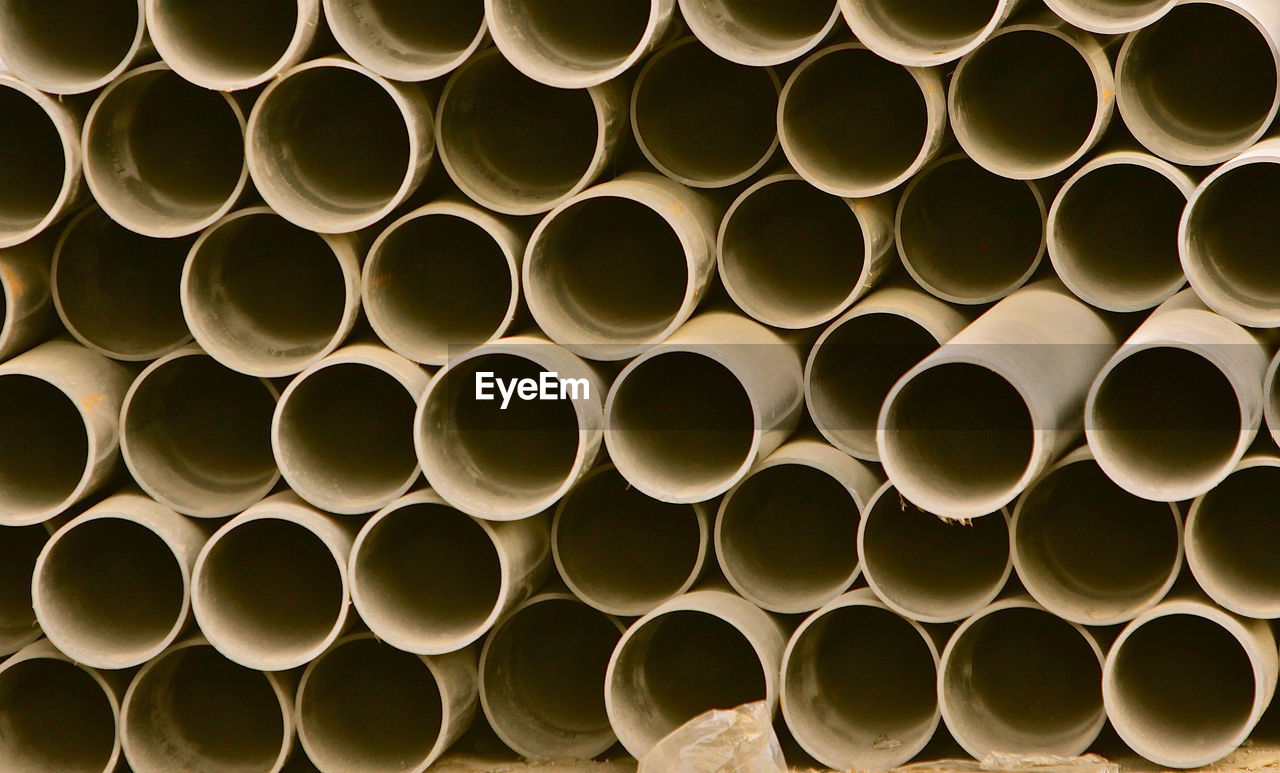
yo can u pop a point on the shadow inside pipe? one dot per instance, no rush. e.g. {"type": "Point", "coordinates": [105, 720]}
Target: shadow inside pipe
{"type": "Point", "coordinates": [44, 445]}
{"type": "Point", "coordinates": [1237, 536]}
{"type": "Point", "coordinates": [69, 44]}
{"type": "Point", "coordinates": [400, 33]}
{"type": "Point", "coordinates": [228, 40]}
{"type": "Point", "coordinates": [42, 700]}
{"type": "Point", "coordinates": [20, 546]}
{"type": "Point", "coordinates": [1232, 232]}
{"type": "Point", "coordinates": [580, 35]}
{"type": "Point", "coordinates": [766, 25]}
{"type": "Point", "coordinates": [933, 26]}
{"type": "Point", "coordinates": [32, 158]}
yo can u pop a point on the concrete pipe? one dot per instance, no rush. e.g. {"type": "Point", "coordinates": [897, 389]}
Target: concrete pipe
{"type": "Point", "coordinates": [879, 339]}
{"type": "Point", "coordinates": [343, 429]}
{"type": "Point", "coordinates": [116, 291]}
{"type": "Point", "coordinates": [914, 34]}
{"type": "Point", "coordinates": [71, 48]}
{"type": "Point", "coordinates": [1227, 238]}
{"type": "Point", "coordinates": [785, 533]}
{"type": "Point", "coordinates": [444, 277]}
{"type": "Point", "coordinates": [26, 314]}
{"type": "Point", "coordinates": [1015, 679]}
{"type": "Point", "coordinates": [685, 421]}
{"type": "Point", "coordinates": [58, 440]}
{"type": "Point", "coordinates": [1113, 230]}
{"type": "Point", "coordinates": [60, 715]}
{"type": "Point", "coordinates": [1201, 84]}
{"type": "Point", "coordinates": [967, 235]}
{"type": "Point", "coordinates": [542, 678]}
{"type": "Point", "coordinates": [522, 147]}
{"type": "Point", "coordinates": [1033, 99]}
{"type": "Point", "coordinates": [1089, 551]}
{"type": "Point", "coordinates": [859, 684]}
{"type": "Point", "coordinates": [1186, 682]}
{"type": "Point", "coordinates": [1174, 410]}
{"type": "Point", "coordinates": [1271, 398]}
{"type": "Point", "coordinates": [760, 33]}
{"type": "Point", "coordinates": [928, 568]}
{"type": "Point", "coordinates": [20, 546]}
{"type": "Point", "coordinates": [686, 88]}
{"type": "Point", "coordinates": [1231, 537]}
{"type": "Point", "coordinates": [505, 429]}
{"type": "Point", "coordinates": [704, 650]}
{"type": "Point", "coordinates": [430, 579]}
{"type": "Point", "coordinates": [335, 148]}
{"type": "Point", "coordinates": [112, 588]}
{"type": "Point", "coordinates": [624, 552]}
{"type": "Point", "coordinates": [192, 709]}
{"type": "Point", "coordinates": [619, 267]}
{"type": "Point", "coordinates": [576, 44]}
{"type": "Point", "coordinates": [969, 427]}
{"type": "Point", "coordinates": [1111, 17]}
{"type": "Point", "coordinates": [343, 699]}
{"type": "Point", "coordinates": [407, 40]}
{"type": "Point", "coordinates": [230, 45]}
{"type": "Point", "coordinates": [40, 151]}
{"type": "Point", "coordinates": [196, 435]}
{"type": "Point", "coordinates": [164, 157]}
{"type": "Point", "coordinates": [267, 298]}
{"type": "Point", "coordinates": [855, 125]}
{"type": "Point", "coordinates": [844, 247]}
{"type": "Point", "coordinates": [270, 588]}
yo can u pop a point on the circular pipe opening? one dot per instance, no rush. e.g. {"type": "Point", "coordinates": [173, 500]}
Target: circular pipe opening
{"type": "Point", "coordinates": [913, 33]}
{"type": "Point", "coordinates": [1232, 534]}
{"type": "Point", "coordinates": [20, 546]}
{"type": "Point", "coordinates": [227, 45]}
{"type": "Point", "coordinates": [573, 43]}
{"type": "Point", "coordinates": [760, 32]}
{"type": "Point", "coordinates": [70, 48]}
{"type": "Point", "coordinates": [44, 447]}
{"type": "Point", "coordinates": [42, 698]}
{"type": "Point", "coordinates": [405, 39]}
{"type": "Point", "coordinates": [40, 157]}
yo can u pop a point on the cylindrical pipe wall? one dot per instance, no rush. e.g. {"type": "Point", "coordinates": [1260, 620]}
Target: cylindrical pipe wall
{"type": "Point", "coordinates": [26, 313]}
{"type": "Point", "coordinates": [1111, 17]}
{"type": "Point", "coordinates": [407, 40]}
{"type": "Point", "coordinates": [910, 33]}
{"type": "Point", "coordinates": [40, 148]}
{"type": "Point", "coordinates": [71, 49]}
{"type": "Point", "coordinates": [760, 33]}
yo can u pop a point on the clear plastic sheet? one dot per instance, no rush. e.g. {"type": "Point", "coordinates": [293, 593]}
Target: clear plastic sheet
{"type": "Point", "coordinates": [739, 740]}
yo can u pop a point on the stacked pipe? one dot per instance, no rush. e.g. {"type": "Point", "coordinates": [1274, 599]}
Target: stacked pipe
{"type": "Point", "coordinates": [382, 379]}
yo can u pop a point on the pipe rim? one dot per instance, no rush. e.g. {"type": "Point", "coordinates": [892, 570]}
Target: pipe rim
{"type": "Point", "coordinates": [1078, 14]}
{"type": "Point", "coordinates": [1067, 266]}
{"type": "Point", "coordinates": [375, 308]}
{"type": "Point", "coordinates": [369, 55]}
{"type": "Point", "coordinates": [1271, 400]}
{"type": "Point", "coordinates": [68, 130]}
{"type": "Point", "coordinates": [68, 86]}
{"type": "Point", "coordinates": [936, 106]}
{"type": "Point", "coordinates": [884, 45]}
{"type": "Point", "coordinates": [172, 49]}
{"type": "Point", "coordinates": [726, 46]}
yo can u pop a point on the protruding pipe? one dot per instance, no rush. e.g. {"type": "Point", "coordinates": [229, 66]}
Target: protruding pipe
{"type": "Point", "coordinates": [335, 148]}
{"type": "Point", "coordinates": [444, 276]}
{"type": "Point", "coordinates": [1206, 108]}
{"type": "Point", "coordinates": [1232, 536]}
{"type": "Point", "coordinates": [845, 246]}
{"type": "Point", "coordinates": [909, 33]}
{"type": "Point", "coordinates": [1089, 551]}
{"type": "Point", "coordinates": [112, 588]}
{"type": "Point", "coordinates": [343, 721]}
{"type": "Point", "coordinates": [343, 430]}
{"type": "Point", "coordinates": [116, 291]}
{"type": "Point", "coordinates": [20, 546]}
{"type": "Point", "coordinates": [783, 534]}
{"type": "Point", "coordinates": [270, 587]}
{"type": "Point", "coordinates": [928, 568]}
{"type": "Point", "coordinates": [624, 552]}
{"type": "Point", "coordinates": [1271, 398]}
{"type": "Point", "coordinates": [406, 40]}
{"type": "Point", "coordinates": [968, 235]}
{"type": "Point", "coordinates": [505, 429]}
{"type": "Point", "coordinates": [1033, 99]}
{"type": "Point", "coordinates": [685, 89]}
{"type": "Point", "coordinates": [1111, 17]}
{"type": "Point", "coordinates": [1016, 679]}
{"type": "Point", "coordinates": [855, 674]}
{"type": "Point", "coordinates": [60, 715]}
{"type": "Point", "coordinates": [704, 650]}
{"type": "Point", "coordinates": [686, 420]}
{"type": "Point", "coordinates": [576, 44]}
{"type": "Point", "coordinates": [1227, 237]}
{"type": "Point", "coordinates": [1186, 682]}
{"type": "Point", "coordinates": [40, 151]}
{"type": "Point", "coordinates": [196, 435]}
{"type": "Point", "coordinates": [58, 439]}
{"type": "Point", "coordinates": [1174, 410]}
{"type": "Point", "coordinates": [504, 160]}
{"type": "Point", "coordinates": [164, 157]}
{"type": "Point", "coordinates": [267, 298]}
{"type": "Point", "coordinates": [430, 579]}
{"type": "Point", "coordinates": [26, 313]}
{"type": "Point", "coordinates": [232, 44]}
{"type": "Point", "coordinates": [969, 427]}
{"type": "Point", "coordinates": [619, 267]}
{"type": "Point", "coordinates": [71, 49]}
{"type": "Point", "coordinates": [859, 357]}
{"type": "Point", "coordinates": [192, 709]}
{"type": "Point", "coordinates": [1113, 230]}
{"type": "Point", "coordinates": [760, 33]}
{"type": "Point", "coordinates": [542, 678]}
{"type": "Point", "coordinates": [855, 125]}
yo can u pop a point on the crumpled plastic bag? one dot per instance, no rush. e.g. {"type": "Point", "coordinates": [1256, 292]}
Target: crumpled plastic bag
{"type": "Point", "coordinates": [737, 740]}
